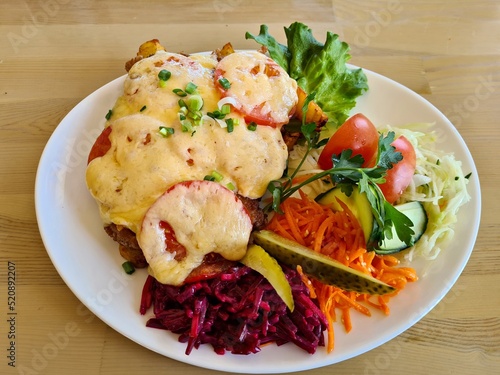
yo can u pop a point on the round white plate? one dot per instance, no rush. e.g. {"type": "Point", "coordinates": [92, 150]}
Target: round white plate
{"type": "Point", "coordinates": [88, 260]}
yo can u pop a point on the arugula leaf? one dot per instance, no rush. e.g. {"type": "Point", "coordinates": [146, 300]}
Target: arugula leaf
{"type": "Point", "coordinates": [317, 67]}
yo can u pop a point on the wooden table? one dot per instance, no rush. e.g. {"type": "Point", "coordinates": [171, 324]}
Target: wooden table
{"type": "Point", "coordinates": [53, 53]}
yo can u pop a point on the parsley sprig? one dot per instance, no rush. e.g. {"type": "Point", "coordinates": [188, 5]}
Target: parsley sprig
{"type": "Point", "coordinates": [347, 172]}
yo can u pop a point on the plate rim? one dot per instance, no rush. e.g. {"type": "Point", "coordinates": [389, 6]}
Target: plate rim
{"type": "Point", "coordinates": [307, 365]}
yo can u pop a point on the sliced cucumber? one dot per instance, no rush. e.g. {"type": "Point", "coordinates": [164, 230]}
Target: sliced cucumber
{"type": "Point", "coordinates": [361, 208]}
{"type": "Point", "coordinates": [416, 213]}
{"type": "Point", "coordinates": [319, 266]}
{"type": "Point", "coordinates": [357, 202]}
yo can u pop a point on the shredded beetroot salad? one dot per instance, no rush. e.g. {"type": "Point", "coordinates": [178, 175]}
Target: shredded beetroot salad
{"type": "Point", "coordinates": [237, 312]}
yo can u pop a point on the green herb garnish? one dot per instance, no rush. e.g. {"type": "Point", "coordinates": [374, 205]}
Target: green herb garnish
{"type": "Point", "coordinates": [109, 114]}
{"type": "Point", "coordinates": [226, 85]}
{"type": "Point", "coordinates": [166, 132]}
{"type": "Point", "coordinates": [309, 62]}
{"type": "Point", "coordinates": [346, 171]}
{"type": "Point", "coordinates": [128, 267]}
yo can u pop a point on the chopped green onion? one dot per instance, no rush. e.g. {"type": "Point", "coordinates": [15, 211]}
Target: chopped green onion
{"type": "Point", "coordinates": [191, 88]}
{"type": "Point", "coordinates": [468, 175]}
{"type": "Point", "coordinates": [209, 178]}
{"type": "Point", "coordinates": [225, 109]}
{"type": "Point", "coordinates": [230, 186]}
{"type": "Point", "coordinates": [182, 103]}
{"type": "Point", "coordinates": [195, 102]}
{"type": "Point", "coordinates": [143, 108]}
{"type": "Point", "coordinates": [179, 92]}
{"type": "Point", "coordinates": [128, 267]}
{"type": "Point", "coordinates": [186, 125]}
{"type": "Point", "coordinates": [109, 114]}
{"type": "Point", "coordinates": [216, 114]}
{"type": "Point", "coordinates": [226, 85]}
{"type": "Point", "coordinates": [166, 132]}
{"type": "Point", "coordinates": [164, 75]}
{"type": "Point", "coordinates": [457, 178]}
{"type": "Point", "coordinates": [217, 176]}
{"type": "Point", "coordinates": [252, 126]}
{"type": "Point", "coordinates": [196, 116]}
{"type": "Point", "coordinates": [230, 125]}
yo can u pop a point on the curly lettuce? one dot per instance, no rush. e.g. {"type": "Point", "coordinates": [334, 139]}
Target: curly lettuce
{"type": "Point", "coordinates": [318, 68]}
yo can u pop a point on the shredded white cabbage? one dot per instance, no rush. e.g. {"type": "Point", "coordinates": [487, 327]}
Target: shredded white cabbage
{"type": "Point", "coordinates": [310, 166]}
{"type": "Point", "coordinates": [439, 183]}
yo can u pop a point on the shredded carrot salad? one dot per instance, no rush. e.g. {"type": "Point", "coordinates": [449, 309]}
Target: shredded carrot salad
{"type": "Point", "coordinates": [338, 235]}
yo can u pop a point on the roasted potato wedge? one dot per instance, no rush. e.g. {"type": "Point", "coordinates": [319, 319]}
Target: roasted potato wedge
{"type": "Point", "coordinates": [149, 48]}
{"type": "Point", "coordinates": [227, 49]}
{"type": "Point", "coordinates": [146, 49]}
{"type": "Point", "coordinates": [314, 112]}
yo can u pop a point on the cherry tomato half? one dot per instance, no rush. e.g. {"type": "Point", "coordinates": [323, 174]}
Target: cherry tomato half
{"type": "Point", "coordinates": [101, 145]}
{"type": "Point", "coordinates": [357, 134]}
{"type": "Point", "coordinates": [399, 176]}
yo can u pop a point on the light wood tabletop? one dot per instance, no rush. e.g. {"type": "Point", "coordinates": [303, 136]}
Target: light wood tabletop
{"type": "Point", "coordinates": [54, 53]}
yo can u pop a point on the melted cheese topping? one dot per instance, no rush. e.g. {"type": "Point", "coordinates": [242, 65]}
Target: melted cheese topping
{"type": "Point", "coordinates": [260, 85]}
{"type": "Point", "coordinates": [141, 87]}
{"type": "Point", "coordinates": [142, 164]}
{"type": "Point", "coordinates": [194, 211]}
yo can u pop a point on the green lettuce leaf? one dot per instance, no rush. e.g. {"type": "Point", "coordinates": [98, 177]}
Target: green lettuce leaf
{"type": "Point", "coordinates": [319, 68]}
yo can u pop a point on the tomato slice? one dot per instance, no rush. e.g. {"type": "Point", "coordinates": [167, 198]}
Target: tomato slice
{"type": "Point", "coordinates": [193, 218]}
{"type": "Point", "coordinates": [213, 265]}
{"type": "Point", "coordinates": [171, 243]}
{"type": "Point", "coordinates": [101, 145]}
{"type": "Point", "coordinates": [357, 134]}
{"type": "Point", "coordinates": [399, 176]}
{"type": "Point", "coordinates": [261, 90]}
{"type": "Point", "coordinates": [256, 115]}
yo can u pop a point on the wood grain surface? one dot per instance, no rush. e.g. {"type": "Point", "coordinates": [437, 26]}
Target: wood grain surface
{"type": "Point", "coordinates": [55, 53]}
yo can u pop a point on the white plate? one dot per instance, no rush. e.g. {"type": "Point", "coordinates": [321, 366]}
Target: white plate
{"type": "Point", "coordinates": [88, 260]}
